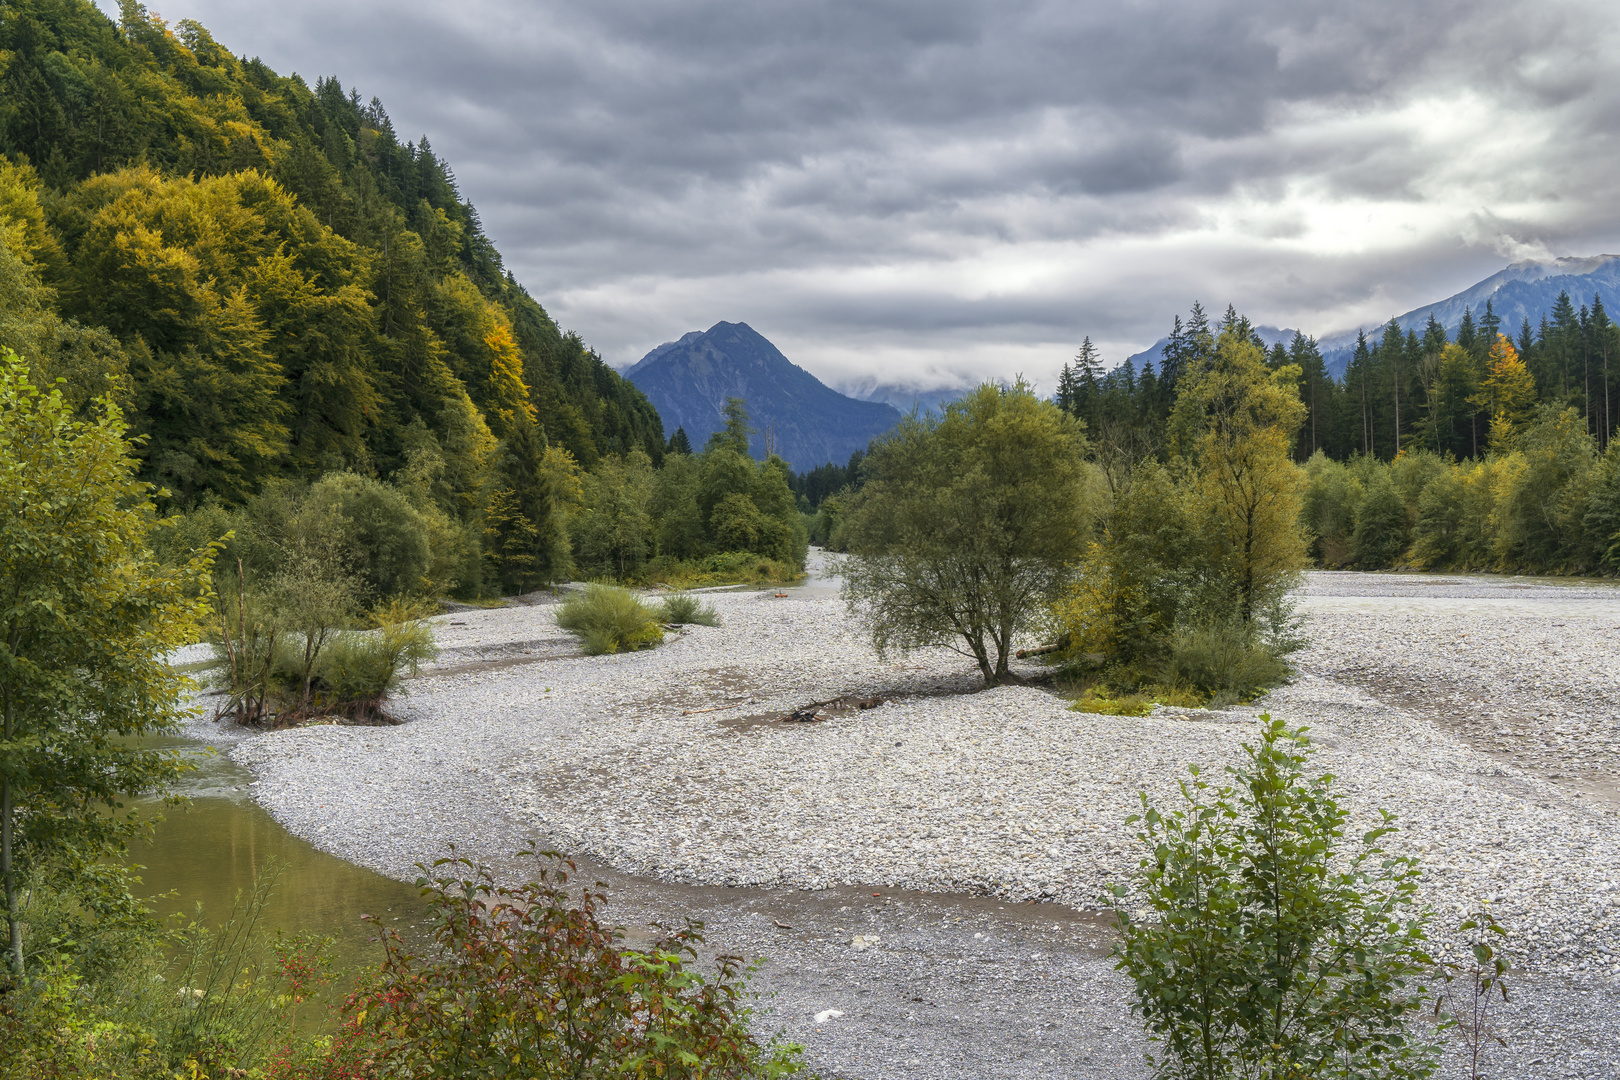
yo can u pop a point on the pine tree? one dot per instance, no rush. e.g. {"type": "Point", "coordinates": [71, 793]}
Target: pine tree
{"type": "Point", "coordinates": [1068, 390]}
{"type": "Point", "coordinates": [1392, 353]}
{"type": "Point", "coordinates": [1315, 390]}
{"type": "Point", "coordinates": [1434, 336]}
{"type": "Point", "coordinates": [1088, 383]}
{"type": "Point", "coordinates": [1148, 391]}
{"type": "Point", "coordinates": [1603, 337]}
{"type": "Point", "coordinates": [1200, 338]}
{"type": "Point", "coordinates": [1490, 324]}
{"type": "Point", "coordinates": [1358, 375]}
{"type": "Point", "coordinates": [679, 443]}
{"type": "Point", "coordinates": [1173, 358]}
{"type": "Point", "coordinates": [1466, 335]}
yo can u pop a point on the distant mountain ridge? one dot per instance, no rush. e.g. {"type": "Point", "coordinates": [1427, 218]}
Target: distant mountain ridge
{"type": "Point", "coordinates": [1271, 335]}
{"type": "Point", "coordinates": [902, 397]}
{"type": "Point", "coordinates": [1522, 290]}
{"type": "Point", "coordinates": [688, 381]}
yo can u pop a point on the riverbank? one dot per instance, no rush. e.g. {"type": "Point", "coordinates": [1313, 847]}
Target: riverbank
{"type": "Point", "coordinates": [961, 808]}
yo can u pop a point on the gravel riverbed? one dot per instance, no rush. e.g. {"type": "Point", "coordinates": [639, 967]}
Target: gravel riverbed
{"type": "Point", "coordinates": [929, 867]}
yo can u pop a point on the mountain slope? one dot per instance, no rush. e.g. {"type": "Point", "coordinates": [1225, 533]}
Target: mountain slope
{"type": "Point", "coordinates": [689, 380]}
{"type": "Point", "coordinates": [1521, 290]}
{"type": "Point", "coordinates": [282, 284]}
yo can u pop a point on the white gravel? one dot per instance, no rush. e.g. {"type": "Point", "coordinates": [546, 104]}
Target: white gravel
{"type": "Point", "coordinates": [1414, 689]}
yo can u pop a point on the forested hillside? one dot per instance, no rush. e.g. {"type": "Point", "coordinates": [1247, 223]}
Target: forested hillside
{"type": "Point", "coordinates": [271, 282]}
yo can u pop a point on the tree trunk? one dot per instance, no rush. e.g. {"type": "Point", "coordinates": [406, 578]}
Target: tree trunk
{"type": "Point", "coordinates": [982, 655]}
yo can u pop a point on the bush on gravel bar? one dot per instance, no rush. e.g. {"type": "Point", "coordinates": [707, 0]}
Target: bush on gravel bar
{"type": "Point", "coordinates": [1270, 947]}
{"type": "Point", "coordinates": [684, 609]}
{"type": "Point", "coordinates": [608, 619]}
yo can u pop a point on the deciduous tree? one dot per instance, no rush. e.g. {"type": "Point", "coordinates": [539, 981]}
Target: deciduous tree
{"type": "Point", "coordinates": [968, 524]}
{"type": "Point", "coordinates": [86, 618]}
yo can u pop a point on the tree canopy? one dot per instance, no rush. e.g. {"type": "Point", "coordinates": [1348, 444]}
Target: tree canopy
{"type": "Point", "coordinates": [968, 524]}
{"type": "Point", "coordinates": [269, 279]}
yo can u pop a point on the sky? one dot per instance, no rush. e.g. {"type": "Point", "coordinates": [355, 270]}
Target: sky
{"type": "Point", "coordinates": [933, 192]}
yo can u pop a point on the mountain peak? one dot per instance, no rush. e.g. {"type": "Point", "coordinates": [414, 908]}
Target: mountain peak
{"type": "Point", "coordinates": [689, 380]}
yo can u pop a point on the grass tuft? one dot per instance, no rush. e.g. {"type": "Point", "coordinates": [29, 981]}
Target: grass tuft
{"type": "Point", "coordinates": [684, 609]}
{"type": "Point", "coordinates": [608, 620]}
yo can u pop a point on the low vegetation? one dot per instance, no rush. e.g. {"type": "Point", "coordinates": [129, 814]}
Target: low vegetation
{"type": "Point", "coordinates": [1274, 947]}
{"type": "Point", "coordinates": [608, 619]}
{"type": "Point", "coordinates": [684, 609]}
{"type": "Point", "coordinates": [708, 518]}
{"type": "Point", "coordinates": [523, 981]}
{"type": "Point", "coordinates": [500, 997]}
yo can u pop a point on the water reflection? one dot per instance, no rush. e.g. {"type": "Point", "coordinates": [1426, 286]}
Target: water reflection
{"type": "Point", "coordinates": [210, 852]}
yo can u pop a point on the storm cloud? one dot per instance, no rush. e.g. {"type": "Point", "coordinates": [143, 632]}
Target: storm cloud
{"type": "Point", "coordinates": [943, 190]}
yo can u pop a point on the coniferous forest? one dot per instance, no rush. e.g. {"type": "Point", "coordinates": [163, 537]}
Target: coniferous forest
{"type": "Point", "coordinates": [1476, 450]}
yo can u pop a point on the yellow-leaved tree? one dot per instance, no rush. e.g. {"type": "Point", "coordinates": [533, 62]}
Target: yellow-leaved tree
{"type": "Point", "coordinates": [1232, 426]}
{"type": "Point", "coordinates": [1508, 394]}
{"type": "Point", "coordinates": [87, 616]}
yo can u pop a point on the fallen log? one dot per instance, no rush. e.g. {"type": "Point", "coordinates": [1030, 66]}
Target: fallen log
{"type": "Point", "coordinates": [1039, 650]}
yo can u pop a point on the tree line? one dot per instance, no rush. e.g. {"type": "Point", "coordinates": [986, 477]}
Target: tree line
{"type": "Point", "coordinates": [1472, 452]}
{"type": "Point", "coordinates": [1400, 391]}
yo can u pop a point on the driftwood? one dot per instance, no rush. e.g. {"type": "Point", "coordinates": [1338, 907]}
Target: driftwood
{"type": "Point", "coordinates": [1039, 650]}
{"type": "Point", "coordinates": [717, 708]}
{"type": "Point", "coordinates": [812, 713]}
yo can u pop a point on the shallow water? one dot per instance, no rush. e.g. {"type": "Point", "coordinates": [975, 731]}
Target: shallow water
{"type": "Point", "coordinates": [210, 852]}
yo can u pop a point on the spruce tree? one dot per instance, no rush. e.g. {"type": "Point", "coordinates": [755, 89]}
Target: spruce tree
{"type": "Point", "coordinates": [1467, 337]}
{"type": "Point", "coordinates": [1068, 390]}
{"type": "Point", "coordinates": [1358, 375]}
{"type": "Point", "coordinates": [1088, 383]}
{"type": "Point", "coordinates": [1315, 391]}
{"type": "Point", "coordinates": [1173, 359]}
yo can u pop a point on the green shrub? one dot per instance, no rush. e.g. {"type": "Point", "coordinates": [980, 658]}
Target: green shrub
{"type": "Point", "coordinates": [528, 981]}
{"type": "Point", "coordinates": [608, 619]}
{"type": "Point", "coordinates": [723, 568]}
{"type": "Point", "coordinates": [1381, 524]}
{"type": "Point", "coordinates": [386, 537]}
{"type": "Point", "coordinates": [1276, 949]}
{"type": "Point", "coordinates": [277, 672]}
{"type": "Point", "coordinates": [1223, 658]}
{"type": "Point", "coordinates": [359, 669]}
{"type": "Point", "coordinates": [684, 609]}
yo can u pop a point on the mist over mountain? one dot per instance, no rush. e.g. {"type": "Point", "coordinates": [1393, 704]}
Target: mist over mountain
{"type": "Point", "coordinates": [902, 397]}
{"type": "Point", "coordinates": [806, 422]}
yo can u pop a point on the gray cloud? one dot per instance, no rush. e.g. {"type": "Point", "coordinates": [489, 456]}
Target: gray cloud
{"type": "Point", "coordinates": [948, 186]}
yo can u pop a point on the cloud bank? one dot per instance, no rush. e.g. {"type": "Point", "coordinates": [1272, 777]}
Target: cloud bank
{"type": "Point", "coordinates": [932, 191]}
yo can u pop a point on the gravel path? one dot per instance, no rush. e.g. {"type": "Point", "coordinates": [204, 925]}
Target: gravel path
{"type": "Point", "coordinates": [928, 866]}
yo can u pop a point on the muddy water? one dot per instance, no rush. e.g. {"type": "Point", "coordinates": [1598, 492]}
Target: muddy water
{"type": "Point", "coordinates": [213, 850]}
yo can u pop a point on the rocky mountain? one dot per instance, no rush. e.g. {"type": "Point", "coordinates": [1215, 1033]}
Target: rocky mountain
{"type": "Point", "coordinates": [805, 421]}
{"type": "Point", "coordinates": [1521, 290]}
